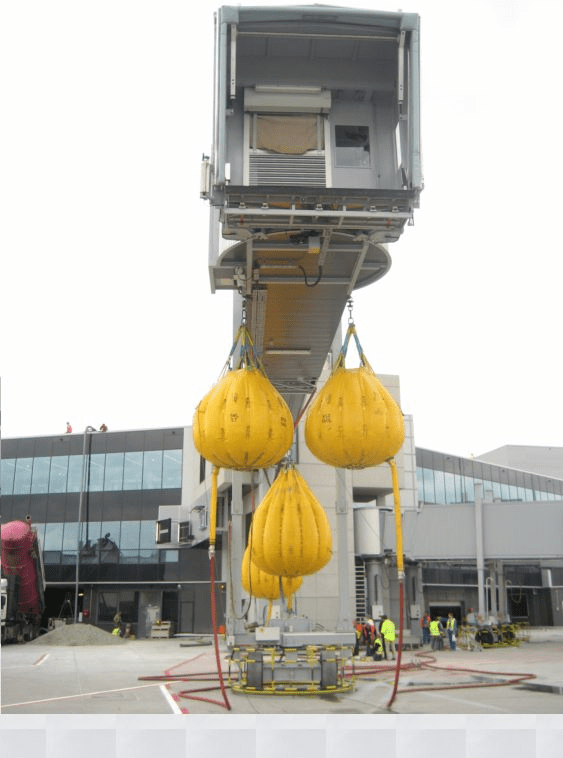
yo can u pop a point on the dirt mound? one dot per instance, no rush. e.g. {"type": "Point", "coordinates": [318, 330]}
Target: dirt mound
{"type": "Point", "coordinates": [78, 634]}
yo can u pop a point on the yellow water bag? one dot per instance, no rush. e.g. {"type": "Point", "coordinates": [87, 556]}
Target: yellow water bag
{"type": "Point", "coordinates": [260, 584]}
{"type": "Point", "coordinates": [243, 423]}
{"type": "Point", "coordinates": [354, 422]}
{"type": "Point", "coordinates": [290, 531]}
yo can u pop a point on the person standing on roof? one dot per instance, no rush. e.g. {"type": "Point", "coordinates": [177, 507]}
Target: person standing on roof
{"type": "Point", "coordinates": [68, 428]}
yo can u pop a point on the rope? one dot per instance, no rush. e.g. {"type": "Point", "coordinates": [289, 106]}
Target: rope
{"type": "Point", "coordinates": [341, 359]}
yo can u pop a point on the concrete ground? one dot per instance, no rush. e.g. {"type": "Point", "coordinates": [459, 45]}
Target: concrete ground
{"type": "Point", "coordinates": [45, 679]}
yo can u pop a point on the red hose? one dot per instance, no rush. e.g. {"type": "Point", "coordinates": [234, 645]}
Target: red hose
{"type": "Point", "coordinates": [227, 704]}
{"type": "Point", "coordinates": [398, 666]}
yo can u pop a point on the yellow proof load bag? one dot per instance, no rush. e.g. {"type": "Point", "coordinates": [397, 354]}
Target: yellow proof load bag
{"type": "Point", "coordinates": [260, 584]}
{"type": "Point", "coordinates": [243, 422]}
{"type": "Point", "coordinates": [354, 422]}
{"type": "Point", "coordinates": [290, 531]}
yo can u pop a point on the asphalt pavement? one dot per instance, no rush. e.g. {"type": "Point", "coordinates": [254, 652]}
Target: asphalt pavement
{"type": "Point", "coordinates": [173, 676]}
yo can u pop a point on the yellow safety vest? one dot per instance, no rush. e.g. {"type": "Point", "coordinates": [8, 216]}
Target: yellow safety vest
{"type": "Point", "coordinates": [435, 628]}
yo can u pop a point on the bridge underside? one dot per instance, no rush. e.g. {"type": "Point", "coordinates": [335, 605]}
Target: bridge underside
{"type": "Point", "coordinates": [296, 284]}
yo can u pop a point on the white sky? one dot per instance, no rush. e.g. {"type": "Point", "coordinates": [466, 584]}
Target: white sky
{"type": "Point", "coordinates": [106, 309]}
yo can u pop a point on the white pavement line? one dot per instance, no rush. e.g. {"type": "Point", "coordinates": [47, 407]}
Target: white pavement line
{"type": "Point", "coordinates": [74, 697]}
{"type": "Point", "coordinates": [473, 703]}
{"type": "Point", "coordinates": [168, 697]}
{"type": "Point", "coordinates": [41, 660]}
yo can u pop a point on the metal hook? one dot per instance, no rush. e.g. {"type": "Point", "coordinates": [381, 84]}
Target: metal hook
{"type": "Point", "coordinates": [350, 317]}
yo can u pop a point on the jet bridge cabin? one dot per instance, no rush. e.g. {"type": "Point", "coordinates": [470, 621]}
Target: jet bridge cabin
{"type": "Point", "coordinates": [316, 119]}
{"type": "Point", "coordinates": [314, 168]}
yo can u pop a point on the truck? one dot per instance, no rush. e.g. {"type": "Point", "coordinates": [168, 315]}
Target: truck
{"type": "Point", "coordinates": [22, 582]}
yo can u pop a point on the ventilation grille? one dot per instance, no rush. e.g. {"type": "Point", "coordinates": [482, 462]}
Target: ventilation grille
{"type": "Point", "coordinates": [286, 170]}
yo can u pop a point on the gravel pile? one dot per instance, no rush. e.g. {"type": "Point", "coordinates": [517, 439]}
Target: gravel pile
{"type": "Point", "coordinates": [78, 634]}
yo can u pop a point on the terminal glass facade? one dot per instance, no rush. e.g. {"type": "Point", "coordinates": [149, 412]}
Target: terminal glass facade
{"type": "Point", "coordinates": [104, 472]}
{"type": "Point", "coordinates": [94, 499]}
{"type": "Point", "coordinates": [446, 479]}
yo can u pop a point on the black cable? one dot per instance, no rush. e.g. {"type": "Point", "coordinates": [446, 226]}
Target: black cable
{"type": "Point", "coordinates": [314, 284]}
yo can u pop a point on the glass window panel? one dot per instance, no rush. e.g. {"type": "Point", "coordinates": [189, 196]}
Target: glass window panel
{"type": "Point", "coordinates": [70, 536]}
{"type": "Point", "coordinates": [429, 492]}
{"type": "Point", "coordinates": [53, 536]}
{"type": "Point", "coordinates": [172, 468]}
{"type": "Point", "coordinates": [91, 530]}
{"type": "Point", "coordinates": [58, 474]}
{"type": "Point", "coordinates": [449, 487]}
{"type": "Point", "coordinates": [40, 529]}
{"type": "Point", "coordinates": [352, 146]}
{"type": "Point", "coordinates": [51, 556]}
{"type": "Point", "coordinates": [483, 484]}
{"type": "Point", "coordinates": [512, 492]}
{"type": "Point", "coordinates": [89, 542]}
{"type": "Point", "coordinates": [96, 474]}
{"type": "Point", "coordinates": [107, 606]}
{"type": "Point", "coordinates": [74, 481]}
{"type": "Point", "coordinates": [469, 490]}
{"type": "Point", "coordinates": [148, 556]}
{"type": "Point", "coordinates": [40, 476]}
{"type": "Point", "coordinates": [487, 490]}
{"type": "Point", "coordinates": [22, 479]}
{"type": "Point", "coordinates": [129, 605]}
{"type": "Point", "coordinates": [129, 556]}
{"type": "Point", "coordinates": [108, 544]}
{"type": "Point", "coordinates": [114, 472]}
{"type": "Point", "coordinates": [133, 471]}
{"type": "Point", "coordinates": [169, 556]}
{"type": "Point", "coordinates": [8, 468]}
{"type": "Point", "coordinates": [147, 535]}
{"type": "Point", "coordinates": [68, 557]}
{"type": "Point", "coordinates": [439, 487]}
{"type": "Point", "coordinates": [111, 532]}
{"type": "Point", "coordinates": [130, 533]}
{"type": "Point", "coordinates": [152, 469]}
{"type": "Point", "coordinates": [458, 488]}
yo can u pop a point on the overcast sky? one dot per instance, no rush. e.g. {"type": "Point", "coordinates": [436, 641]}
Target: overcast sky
{"type": "Point", "coordinates": [106, 309]}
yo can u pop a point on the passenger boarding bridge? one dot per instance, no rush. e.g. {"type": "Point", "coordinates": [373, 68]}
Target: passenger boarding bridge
{"type": "Point", "coordinates": [314, 168]}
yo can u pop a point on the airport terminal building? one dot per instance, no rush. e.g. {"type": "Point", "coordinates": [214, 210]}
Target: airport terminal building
{"type": "Point", "coordinates": [123, 520]}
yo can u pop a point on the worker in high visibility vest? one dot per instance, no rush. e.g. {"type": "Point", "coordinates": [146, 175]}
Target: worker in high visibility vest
{"type": "Point", "coordinates": [424, 625]}
{"type": "Point", "coordinates": [358, 628]}
{"type": "Point", "coordinates": [436, 630]}
{"type": "Point", "coordinates": [387, 631]}
{"type": "Point", "coordinates": [377, 648]}
{"type": "Point", "coordinates": [451, 628]}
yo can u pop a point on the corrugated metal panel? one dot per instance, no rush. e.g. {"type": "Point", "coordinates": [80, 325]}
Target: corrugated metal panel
{"type": "Point", "coordinates": [287, 170]}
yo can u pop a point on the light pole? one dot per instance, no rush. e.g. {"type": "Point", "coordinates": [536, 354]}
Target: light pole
{"type": "Point", "coordinates": [83, 484]}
